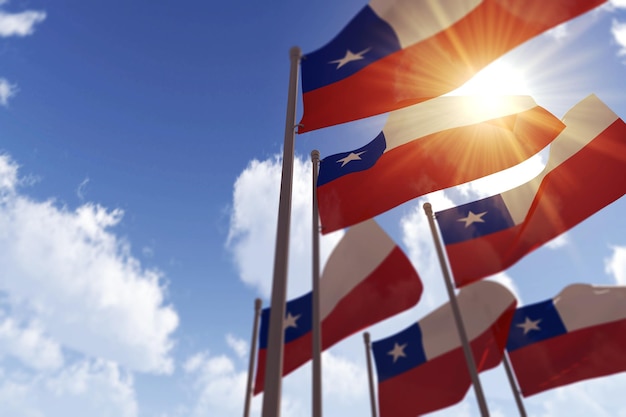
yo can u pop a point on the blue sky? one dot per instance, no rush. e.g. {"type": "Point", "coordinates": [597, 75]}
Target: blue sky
{"type": "Point", "coordinates": [140, 151]}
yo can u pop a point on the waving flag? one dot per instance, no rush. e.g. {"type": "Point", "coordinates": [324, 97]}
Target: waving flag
{"type": "Point", "coordinates": [577, 335]}
{"type": "Point", "coordinates": [395, 53]}
{"type": "Point", "coordinates": [366, 279]}
{"type": "Point", "coordinates": [427, 147]}
{"type": "Point", "coordinates": [423, 368]}
{"type": "Point", "coordinates": [584, 173]}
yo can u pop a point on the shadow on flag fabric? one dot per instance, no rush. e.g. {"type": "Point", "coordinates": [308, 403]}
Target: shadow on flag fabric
{"type": "Point", "coordinates": [428, 147]}
{"type": "Point", "coordinates": [423, 368]}
{"type": "Point", "coordinates": [395, 53]}
{"type": "Point", "coordinates": [367, 278]}
{"type": "Point", "coordinates": [584, 173]}
{"type": "Point", "coordinates": [577, 335]}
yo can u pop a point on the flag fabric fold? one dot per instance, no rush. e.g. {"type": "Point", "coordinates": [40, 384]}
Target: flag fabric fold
{"type": "Point", "coordinates": [396, 53]}
{"type": "Point", "coordinates": [423, 368]}
{"type": "Point", "coordinates": [577, 335]}
{"type": "Point", "coordinates": [428, 147]}
{"type": "Point", "coordinates": [366, 279]}
{"type": "Point", "coordinates": [584, 173]}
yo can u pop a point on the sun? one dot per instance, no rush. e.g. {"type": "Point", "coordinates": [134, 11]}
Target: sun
{"type": "Point", "coordinates": [498, 79]}
{"type": "Point", "coordinates": [494, 82]}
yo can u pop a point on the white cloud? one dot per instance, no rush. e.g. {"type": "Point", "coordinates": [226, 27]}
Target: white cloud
{"type": "Point", "coordinates": [616, 265]}
{"type": "Point", "coordinates": [68, 272]}
{"type": "Point", "coordinates": [618, 29]}
{"type": "Point", "coordinates": [599, 397]}
{"type": "Point", "coordinates": [29, 344]}
{"type": "Point", "coordinates": [219, 386]}
{"type": "Point", "coordinates": [618, 3]}
{"type": "Point", "coordinates": [252, 233]}
{"type": "Point", "coordinates": [97, 389]}
{"type": "Point", "coordinates": [558, 32]}
{"type": "Point", "coordinates": [20, 24]}
{"type": "Point", "coordinates": [8, 176]}
{"type": "Point", "coordinates": [343, 380]}
{"type": "Point", "coordinates": [239, 346]}
{"type": "Point", "coordinates": [80, 191]}
{"type": "Point", "coordinates": [7, 90]}
{"type": "Point", "coordinates": [558, 242]}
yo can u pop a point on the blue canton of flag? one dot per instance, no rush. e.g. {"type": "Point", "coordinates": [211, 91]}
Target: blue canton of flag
{"type": "Point", "coordinates": [297, 322]}
{"type": "Point", "coordinates": [399, 353]}
{"type": "Point", "coordinates": [475, 219]}
{"type": "Point", "coordinates": [366, 39]}
{"type": "Point", "coordinates": [534, 323]}
{"type": "Point", "coordinates": [335, 166]}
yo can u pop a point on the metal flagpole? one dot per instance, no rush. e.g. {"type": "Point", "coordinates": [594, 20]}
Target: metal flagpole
{"type": "Point", "coordinates": [469, 357]}
{"type": "Point", "coordinates": [370, 377]}
{"type": "Point", "coordinates": [276, 336]}
{"type": "Point", "coordinates": [253, 345]}
{"type": "Point", "coordinates": [513, 383]}
{"type": "Point", "coordinates": [317, 331]}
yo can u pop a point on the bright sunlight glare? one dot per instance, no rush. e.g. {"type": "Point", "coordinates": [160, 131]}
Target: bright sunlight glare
{"type": "Point", "coordinates": [497, 79]}
{"type": "Point", "coordinates": [492, 83]}
{"type": "Point", "coordinates": [490, 87]}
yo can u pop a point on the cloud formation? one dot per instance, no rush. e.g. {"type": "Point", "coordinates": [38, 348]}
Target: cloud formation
{"type": "Point", "coordinates": [618, 29]}
{"type": "Point", "coordinates": [7, 90]}
{"type": "Point", "coordinates": [252, 233]}
{"type": "Point", "coordinates": [20, 24]}
{"type": "Point", "coordinates": [616, 265]}
{"type": "Point", "coordinates": [87, 388]}
{"type": "Point", "coordinates": [69, 281]}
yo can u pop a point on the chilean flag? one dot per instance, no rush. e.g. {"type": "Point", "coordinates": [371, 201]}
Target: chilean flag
{"type": "Point", "coordinates": [428, 147]}
{"type": "Point", "coordinates": [395, 53]}
{"type": "Point", "coordinates": [577, 335]}
{"type": "Point", "coordinates": [584, 173]}
{"type": "Point", "coordinates": [423, 368]}
{"type": "Point", "coordinates": [366, 279]}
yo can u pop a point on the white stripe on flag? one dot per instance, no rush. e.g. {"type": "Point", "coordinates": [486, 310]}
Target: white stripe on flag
{"type": "Point", "coordinates": [439, 333]}
{"type": "Point", "coordinates": [416, 20]}
{"type": "Point", "coordinates": [583, 123]}
{"type": "Point", "coordinates": [582, 305]}
{"type": "Point", "coordinates": [363, 248]}
{"type": "Point", "coordinates": [448, 112]}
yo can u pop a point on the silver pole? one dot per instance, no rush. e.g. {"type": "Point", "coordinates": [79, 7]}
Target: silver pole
{"type": "Point", "coordinates": [469, 357]}
{"type": "Point", "coordinates": [276, 336]}
{"type": "Point", "coordinates": [253, 345]}
{"type": "Point", "coordinates": [513, 383]}
{"type": "Point", "coordinates": [370, 377]}
{"type": "Point", "coordinates": [317, 331]}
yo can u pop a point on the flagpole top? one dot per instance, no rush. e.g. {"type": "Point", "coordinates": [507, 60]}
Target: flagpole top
{"type": "Point", "coordinates": [295, 52]}
{"type": "Point", "coordinates": [366, 338]}
{"type": "Point", "coordinates": [257, 304]}
{"type": "Point", "coordinates": [315, 155]}
{"type": "Point", "coordinates": [428, 209]}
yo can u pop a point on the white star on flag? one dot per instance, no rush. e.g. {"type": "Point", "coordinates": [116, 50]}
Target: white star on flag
{"type": "Point", "coordinates": [350, 56]}
{"type": "Point", "coordinates": [529, 325]}
{"type": "Point", "coordinates": [290, 321]}
{"type": "Point", "coordinates": [352, 157]}
{"type": "Point", "coordinates": [397, 351]}
{"type": "Point", "coordinates": [472, 218]}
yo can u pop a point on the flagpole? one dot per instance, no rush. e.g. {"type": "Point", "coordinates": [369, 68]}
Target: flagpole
{"type": "Point", "coordinates": [513, 383]}
{"type": "Point", "coordinates": [253, 345]}
{"type": "Point", "coordinates": [370, 376]}
{"type": "Point", "coordinates": [317, 331]}
{"type": "Point", "coordinates": [276, 336]}
{"type": "Point", "coordinates": [469, 357]}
